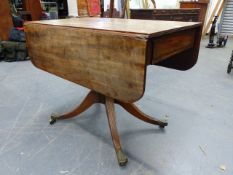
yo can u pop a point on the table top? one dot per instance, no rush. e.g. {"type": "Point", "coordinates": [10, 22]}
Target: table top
{"type": "Point", "coordinates": [148, 28]}
{"type": "Point", "coordinates": [110, 56]}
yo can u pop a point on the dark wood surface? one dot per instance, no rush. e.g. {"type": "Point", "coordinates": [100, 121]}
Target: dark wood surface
{"type": "Point", "coordinates": [5, 19]}
{"type": "Point", "coordinates": [98, 60]}
{"type": "Point", "coordinates": [188, 15]}
{"type": "Point", "coordinates": [177, 43]}
{"type": "Point", "coordinates": [34, 7]}
{"type": "Point", "coordinates": [202, 5]}
{"type": "Point", "coordinates": [110, 55]}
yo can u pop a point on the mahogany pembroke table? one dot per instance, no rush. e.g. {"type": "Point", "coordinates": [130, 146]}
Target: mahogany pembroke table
{"type": "Point", "coordinates": [110, 57]}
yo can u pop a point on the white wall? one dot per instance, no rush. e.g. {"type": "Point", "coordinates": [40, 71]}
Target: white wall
{"type": "Point", "coordinates": [211, 8]}
{"type": "Point", "coordinates": [117, 4]}
{"type": "Point", "coordinates": [72, 7]}
{"type": "Point", "coordinates": [159, 3]}
{"type": "Point", "coordinates": [167, 4]}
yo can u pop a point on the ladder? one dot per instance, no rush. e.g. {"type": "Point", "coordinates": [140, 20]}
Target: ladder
{"type": "Point", "coordinates": [226, 26]}
{"type": "Point", "coordinates": [226, 23]}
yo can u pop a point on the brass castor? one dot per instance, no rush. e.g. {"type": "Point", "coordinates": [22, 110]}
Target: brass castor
{"type": "Point", "coordinates": [122, 159]}
{"type": "Point", "coordinates": [165, 123]}
{"type": "Point", "coordinates": [53, 119]}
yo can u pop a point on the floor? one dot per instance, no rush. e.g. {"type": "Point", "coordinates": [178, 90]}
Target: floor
{"type": "Point", "coordinates": [197, 103]}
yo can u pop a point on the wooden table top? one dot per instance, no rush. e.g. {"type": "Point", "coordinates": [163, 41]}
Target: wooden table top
{"type": "Point", "coordinates": [130, 26]}
{"type": "Point", "coordinates": [110, 56]}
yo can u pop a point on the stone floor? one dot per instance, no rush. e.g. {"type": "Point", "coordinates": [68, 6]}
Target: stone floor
{"type": "Point", "coordinates": [198, 140]}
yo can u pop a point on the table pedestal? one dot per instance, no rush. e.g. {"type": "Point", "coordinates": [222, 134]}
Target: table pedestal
{"type": "Point", "coordinates": [95, 97]}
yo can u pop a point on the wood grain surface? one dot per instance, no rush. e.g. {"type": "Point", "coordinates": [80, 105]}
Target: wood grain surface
{"type": "Point", "coordinates": [5, 19]}
{"type": "Point", "coordinates": [108, 63]}
{"type": "Point", "coordinates": [187, 15]}
{"type": "Point", "coordinates": [185, 59]}
{"type": "Point", "coordinates": [110, 56]}
{"type": "Point", "coordinates": [169, 45]}
{"type": "Point", "coordinates": [201, 5]}
{"type": "Point", "coordinates": [34, 7]}
{"type": "Point", "coordinates": [138, 27]}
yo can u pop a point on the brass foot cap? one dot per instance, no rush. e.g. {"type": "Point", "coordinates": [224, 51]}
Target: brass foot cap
{"type": "Point", "coordinates": [53, 119]}
{"type": "Point", "coordinates": [122, 159]}
{"type": "Point", "coordinates": [163, 123]}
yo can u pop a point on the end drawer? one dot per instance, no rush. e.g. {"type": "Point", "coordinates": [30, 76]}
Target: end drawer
{"type": "Point", "coordinates": [172, 44]}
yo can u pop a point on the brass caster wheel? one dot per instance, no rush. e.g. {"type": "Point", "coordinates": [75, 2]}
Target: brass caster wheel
{"type": "Point", "coordinates": [164, 123]}
{"type": "Point", "coordinates": [122, 159]}
{"type": "Point", "coordinates": [53, 119]}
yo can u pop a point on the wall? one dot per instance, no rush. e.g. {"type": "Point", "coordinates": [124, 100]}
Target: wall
{"type": "Point", "coordinates": [167, 4]}
{"type": "Point", "coordinates": [211, 8]}
{"type": "Point", "coordinates": [72, 7]}
{"type": "Point", "coordinates": [160, 4]}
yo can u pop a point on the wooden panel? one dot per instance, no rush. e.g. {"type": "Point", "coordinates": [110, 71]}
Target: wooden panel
{"type": "Point", "coordinates": [169, 45]}
{"type": "Point", "coordinates": [5, 19]}
{"type": "Point", "coordinates": [166, 14]}
{"type": "Point", "coordinates": [107, 62]}
{"type": "Point", "coordinates": [35, 7]}
{"type": "Point", "coordinates": [202, 5]}
{"type": "Point", "coordinates": [186, 59]}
